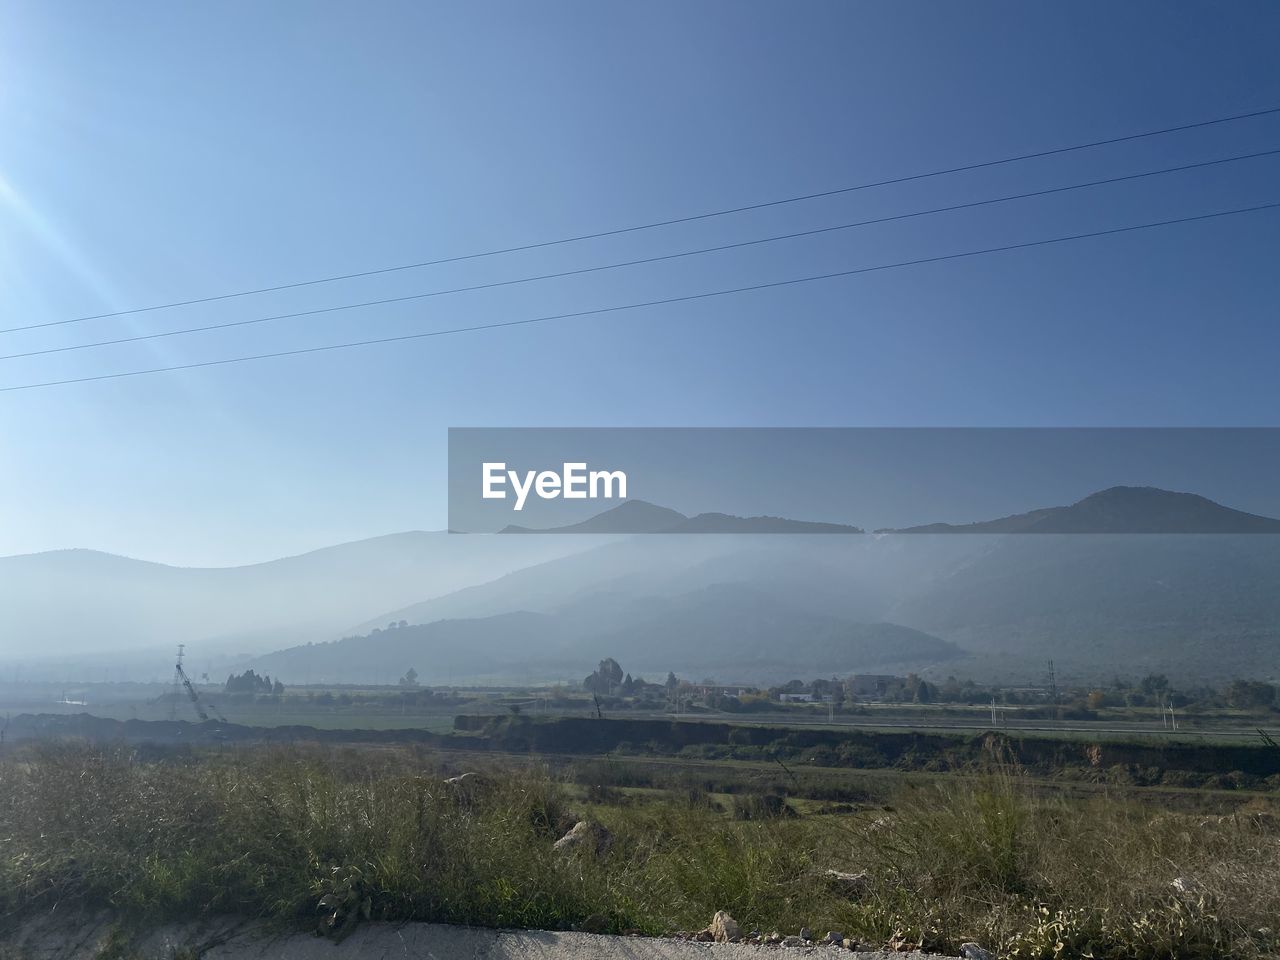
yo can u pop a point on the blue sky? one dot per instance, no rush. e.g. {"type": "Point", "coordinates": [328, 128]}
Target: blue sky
{"type": "Point", "coordinates": [157, 151]}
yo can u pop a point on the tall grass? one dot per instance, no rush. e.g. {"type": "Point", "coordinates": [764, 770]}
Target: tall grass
{"type": "Point", "coordinates": [1047, 877]}
{"type": "Point", "coordinates": [334, 838]}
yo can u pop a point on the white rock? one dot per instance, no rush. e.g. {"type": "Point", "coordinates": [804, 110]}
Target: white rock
{"type": "Point", "coordinates": [723, 927]}
{"type": "Point", "coordinates": [575, 836]}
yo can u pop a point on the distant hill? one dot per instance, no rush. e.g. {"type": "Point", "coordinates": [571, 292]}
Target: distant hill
{"type": "Point", "coordinates": [443, 652]}
{"type": "Point", "coordinates": [638, 516]}
{"type": "Point", "coordinates": [1191, 605]}
{"type": "Point", "coordinates": [729, 631]}
{"type": "Point", "coordinates": [630, 516]}
{"type": "Point", "coordinates": [737, 631]}
{"type": "Point", "coordinates": [83, 603]}
{"type": "Point", "coordinates": [1203, 606]}
{"type": "Point", "coordinates": [1120, 510]}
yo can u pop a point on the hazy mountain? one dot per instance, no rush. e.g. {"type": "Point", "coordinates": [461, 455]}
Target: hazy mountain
{"type": "Point", "coordinates": [1200, 605]}
{"type": "Point", "coordinates": [1120, 510]}
{"type": "Point", "coordinates": [635, 566]}
{"type": "Point", "coordinates": [735, 631]}
{"type": "Point", "coordinates": [729, 631]}
{"type": "Point", "coordinates": [1205, 605]}
{"type": "Point", "coordinates": [443, 652]}
{"type": "Point", "coordinates": [637, 516]}
{"type": "Point", "coordinates": [1190, 604]}
{"type": "Point", "coordinates": [630, 516]}
{"type": "Point", "coordinates": [81, 603]}
{"type": "Point", "coordinates": [857, 578]}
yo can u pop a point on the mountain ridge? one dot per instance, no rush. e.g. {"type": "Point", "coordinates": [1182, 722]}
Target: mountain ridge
{"type": "Point", "coordinates": [1120, 509]}
{"type": "Point", "coordinates": [642, 517]}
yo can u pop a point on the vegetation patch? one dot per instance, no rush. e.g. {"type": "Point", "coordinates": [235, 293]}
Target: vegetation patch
{"type": "Point", "coordinates": [331, 838]}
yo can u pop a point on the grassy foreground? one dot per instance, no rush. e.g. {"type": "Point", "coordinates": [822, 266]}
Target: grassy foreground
{"type": "Point", "coordinates": [335, 837]}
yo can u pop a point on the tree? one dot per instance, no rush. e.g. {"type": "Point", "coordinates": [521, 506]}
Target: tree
{"type": "Point", "coordinates": [1250, 694]}
{"type": "Point", "coordinates": [410, 678]}
{"type": "Point", "coordinates": [606, 678]}
{"type": "Point", "coordinates": [1154, 684]}
{"type": "Point", "coordinates": [249, 683]}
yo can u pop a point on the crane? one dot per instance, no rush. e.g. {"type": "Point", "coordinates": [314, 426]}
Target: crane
{"type": "Point", "coordinates": [180, 676]}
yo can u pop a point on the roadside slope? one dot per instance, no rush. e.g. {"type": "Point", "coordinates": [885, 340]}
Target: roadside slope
{"type": "Point", "coordinates": [238, 940]}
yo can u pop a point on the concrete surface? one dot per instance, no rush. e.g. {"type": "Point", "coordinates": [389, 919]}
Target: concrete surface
{"type": "Point", "coordinates": [69, 938]}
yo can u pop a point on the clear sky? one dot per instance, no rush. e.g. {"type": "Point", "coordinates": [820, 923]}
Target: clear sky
{"type": "Point", "coordinates": [152, 151]}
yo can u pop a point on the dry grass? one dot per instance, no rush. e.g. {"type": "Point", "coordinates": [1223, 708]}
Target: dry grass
{"type": "Point", "coordinates": [336, 837]}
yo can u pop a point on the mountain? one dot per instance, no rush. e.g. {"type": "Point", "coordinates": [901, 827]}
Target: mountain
{"type": "Point", "coordinates": [735, 631]}
{"type": "Point", "coordinates": [731, 631]}
{"type": "Point", "coordinates": [86, 605]}
{"type": "Point", "coordinates": [630, 516]}
{"type": "Point", "coordinates": [1198, 606]}
{"type": "Point", "coordinates": [725, 523]}
{"type": "Point", "coordinates": [638, 516]}
{"type": "Point", "coordinates": [443, 652]}
{"type": "Point", "coordinates": [1120, 510]}
{"type": "Point", "coordinates": [1203, 606]}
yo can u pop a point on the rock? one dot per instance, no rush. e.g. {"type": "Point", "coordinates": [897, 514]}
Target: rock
{"type": "Point", "coordinates": [576, 835]}
{"type": "Point", "coordinates": [582, 833]}
{"type": "Point", "coordinates": [849, 944]}
{"type": "Point", "coordinates": [851, 885]}
{"type": "Point", "coordinates": [774, 937]}
{"type": "Point", "coordinates": [724, 928]}
{"type": "Point", "coordinates": [596, 923]}
{"type": "Point", "coordinates": [1185, 885]}
{"type": "Point", "coordinates": [704, 936]}
{"type": "Point", "coordinates": [806, 933]}
{"type": "Point", "coordinates": [794, 942]}
{"type": "Point", "coordinates": [971, 951]}
{"type": "Point", "coordinates": [833, 937]}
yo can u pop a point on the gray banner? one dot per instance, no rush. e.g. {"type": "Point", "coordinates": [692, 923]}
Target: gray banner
{"type": "Point", "coordinates": [856, 481]}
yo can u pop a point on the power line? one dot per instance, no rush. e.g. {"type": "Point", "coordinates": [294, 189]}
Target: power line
{"type": "Point", "coordinates": [628, 263]}
{"type": "Point", "coordinates": [648, 303]}
{"type": "Point", "coordinates": [1057, 151]}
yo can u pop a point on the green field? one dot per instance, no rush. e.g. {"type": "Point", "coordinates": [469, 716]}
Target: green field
{"type": "Point", "coordinates": [382, 708]}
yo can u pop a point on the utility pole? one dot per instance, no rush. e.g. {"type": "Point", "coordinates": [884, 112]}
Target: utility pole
{"type": "Point", "coordinates": [1053, 690]}
{"type": "Point", "coordinates": [177, 683]}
